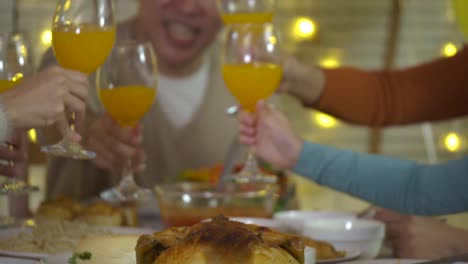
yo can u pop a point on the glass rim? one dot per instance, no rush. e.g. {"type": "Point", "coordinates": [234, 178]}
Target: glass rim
{"type": "Point", "coordinates": [196, 189]}
{"type": "Point", "coordinates": [9, 35]}
{"type": "Point", "coordinates": [132, 42]}
{"type": "Point", "coordinates": [235, 5]}
{"type": "Point", "coordinates": [251, 25]}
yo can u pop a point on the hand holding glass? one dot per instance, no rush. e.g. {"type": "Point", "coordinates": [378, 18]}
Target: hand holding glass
{"type": "Point", "coordinates": [252, 71]}
{"type": "Point", "coordinates": [83, 33]}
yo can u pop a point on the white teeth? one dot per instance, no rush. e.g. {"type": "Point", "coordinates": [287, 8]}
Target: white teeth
{"type": "Point", "coordinates": [180, 31]}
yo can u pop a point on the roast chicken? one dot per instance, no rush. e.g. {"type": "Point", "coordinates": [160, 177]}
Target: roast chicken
{"type": "Point", "coordinates": [223, 241]}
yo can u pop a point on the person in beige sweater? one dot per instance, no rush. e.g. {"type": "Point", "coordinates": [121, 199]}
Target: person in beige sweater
{"type": "Point", "coordinates": [187, 127]}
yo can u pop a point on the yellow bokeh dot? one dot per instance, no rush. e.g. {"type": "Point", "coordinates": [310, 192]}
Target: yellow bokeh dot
{"type": "Point", "coordinates": [46, 37]}
{"type": "Point", "coordinates": [18, 76]}
{"type": "Point", "coordinates": [32, 135]}
{"type": "Point", "coordinates": [324, 120]}
{"type": "Point", "coordinates": [304, 28]}
{"type": "Point", "coordinates": [449, 50]}
{"type": "Point", "coordinates": [452, 142]}
{"type": "Point", "coordinates": [330, 63]}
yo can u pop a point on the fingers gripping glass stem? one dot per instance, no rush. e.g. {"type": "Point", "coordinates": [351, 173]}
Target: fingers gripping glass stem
{"type": "Point", "coordinates": [68, 146]}
{"type": "Point", "coordinates": [83, 33]}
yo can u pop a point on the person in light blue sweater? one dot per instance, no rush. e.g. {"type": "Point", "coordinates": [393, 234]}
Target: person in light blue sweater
{"type": "Point", "coordinates": [397, 184]}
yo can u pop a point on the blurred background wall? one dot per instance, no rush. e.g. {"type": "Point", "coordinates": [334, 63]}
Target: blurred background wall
{"type": "Point", "coordinates": [331, 33]}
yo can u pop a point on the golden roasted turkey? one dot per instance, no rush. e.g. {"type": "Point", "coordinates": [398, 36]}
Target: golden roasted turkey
{"type": "Point", "coordinates": [222, 241]}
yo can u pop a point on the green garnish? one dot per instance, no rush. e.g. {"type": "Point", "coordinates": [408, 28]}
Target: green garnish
{"type": "Point", "coordinates": [86, 255]}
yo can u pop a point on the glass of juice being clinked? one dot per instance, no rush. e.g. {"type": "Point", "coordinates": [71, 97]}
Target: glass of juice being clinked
{"type": "Point", "coordinates": [15, 64]}
{"type": "Point", "coordinates": [246, 11]}
{"type": "Point", "coordinates": [127, 87]}
{"type": "Point", "coordinates": [83, 34]}
{"type": "Point", "coordinates": [252, 71]}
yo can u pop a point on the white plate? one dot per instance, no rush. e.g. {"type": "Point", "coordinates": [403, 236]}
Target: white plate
{"type": "Point", "coordinates": [294, 220]}
{"type": "Point", "coordinates": [5, 234]}
{"type": "Point", "coordinates": [268, 222]}
{"type": "Point", "coordinates": [7, 260]}
{"type": "Point", "coordinates": [386, 261]}
{"type": "Point", "coordinates": [350, 255]}
{"type": "Point", "coordinates": [120, 251]}
{"type": "Point", "coordinates": [63, 259]}
{"type": "Point", "coordinates": [8, 233]}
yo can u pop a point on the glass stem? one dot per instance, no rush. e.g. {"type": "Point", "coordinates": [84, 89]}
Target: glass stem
{"type": "Point", "coordinates": [71, 122]}
{"type": "Point", "coordinates": [250, 169]}
{"type": "Point", "coordinates": [127, 177]}
{"type": "Point", "coordinates": [251, 165]}
{"type": "Point", "coordinates": [11, 163]}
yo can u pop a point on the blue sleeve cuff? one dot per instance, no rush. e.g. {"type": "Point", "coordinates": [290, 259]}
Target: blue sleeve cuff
{"type": "Point", "coordinates": [308, 161]}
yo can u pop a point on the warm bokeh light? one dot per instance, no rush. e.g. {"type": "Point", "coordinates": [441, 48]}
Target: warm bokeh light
{"type": "Point", "coordinates": [46, 37]}
{"type": "Point", "coordinates": [17, 77]}
{"type": "Point", "coordinates": [273, 40]}
{"type": "Point", "coordinates": [325, 120]}
{"type": "Point", "coordinates": [452, 142]}
{"type": "Point", "coordinates": [304, 28]}
{"type": "Point", "coordinates": [330, 63]}
{"type": "Point", "coordinates": [32, 135]}
{"type": "Point", "coordinates": [449, 50]}
{"type": "Point", "coordinates": [67, 5]}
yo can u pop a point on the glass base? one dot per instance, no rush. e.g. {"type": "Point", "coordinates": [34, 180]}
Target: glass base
{"type": "Point", "coordinates": [10, 222]}
{"type": "Point", "coordinates": [14, 186]}
{"type": "Point", "coordinates": [69, 149]}
{"type": "Point", "coordinates": [7, 222]}
{"type": "Point", "coordinates": [121, 194]}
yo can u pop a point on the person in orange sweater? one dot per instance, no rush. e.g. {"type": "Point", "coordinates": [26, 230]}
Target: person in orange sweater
{"type": "Point", "coordinates": [428, 92]}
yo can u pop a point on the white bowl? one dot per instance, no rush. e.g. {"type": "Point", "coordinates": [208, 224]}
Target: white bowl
{"type": "Point", "coordinates": [294, 220]}
{"type": "Point", "coordinates": [268, 222]}
{"type": "Point", "coordinates": [362, 235]}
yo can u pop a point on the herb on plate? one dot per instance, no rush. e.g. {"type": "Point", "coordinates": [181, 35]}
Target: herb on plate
{"type": "Point", "coordinates": [86, 255]}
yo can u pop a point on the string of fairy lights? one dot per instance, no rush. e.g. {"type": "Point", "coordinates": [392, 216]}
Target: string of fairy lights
{"type": "Point", "coordinates": [305, 28]}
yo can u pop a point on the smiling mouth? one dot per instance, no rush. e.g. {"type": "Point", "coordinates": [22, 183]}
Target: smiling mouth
{"type": "Point", "coordinates": [180, 32]}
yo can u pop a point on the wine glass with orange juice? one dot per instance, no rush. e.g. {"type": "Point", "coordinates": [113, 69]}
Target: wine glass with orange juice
{"type": "Point", "coordinates": [127, 87]}
{"type": "Point", "coordinates": [14, 65]}
{"type": "Point", "coordinates": [252, 71]}
{"type": "Point", "coordinates": [83, 34]}
{"type": "Point", "coordinates": [246, 11]}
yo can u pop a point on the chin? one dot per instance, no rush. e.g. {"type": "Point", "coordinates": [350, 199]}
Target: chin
{"type": "Point", "coordinates": [177, 58]}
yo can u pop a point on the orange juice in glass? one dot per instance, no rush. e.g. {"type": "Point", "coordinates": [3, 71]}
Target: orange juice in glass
{"type": "Point", "coordinates": [83, 48]}
{"type": "Point", "coordinates": [252, 82]}
{"type": "Point", "coordinates": [127, 104]}
{"type": "Point", "coordinates": [246, 11]}
{"type": "Point", "coordinates": [6, 85]}
{"type": "Point", "coordinates": [254, 17]}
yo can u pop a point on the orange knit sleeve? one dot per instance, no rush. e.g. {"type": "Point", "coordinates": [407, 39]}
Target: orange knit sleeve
{"type": "Point", "coordinates": [428, 92]}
